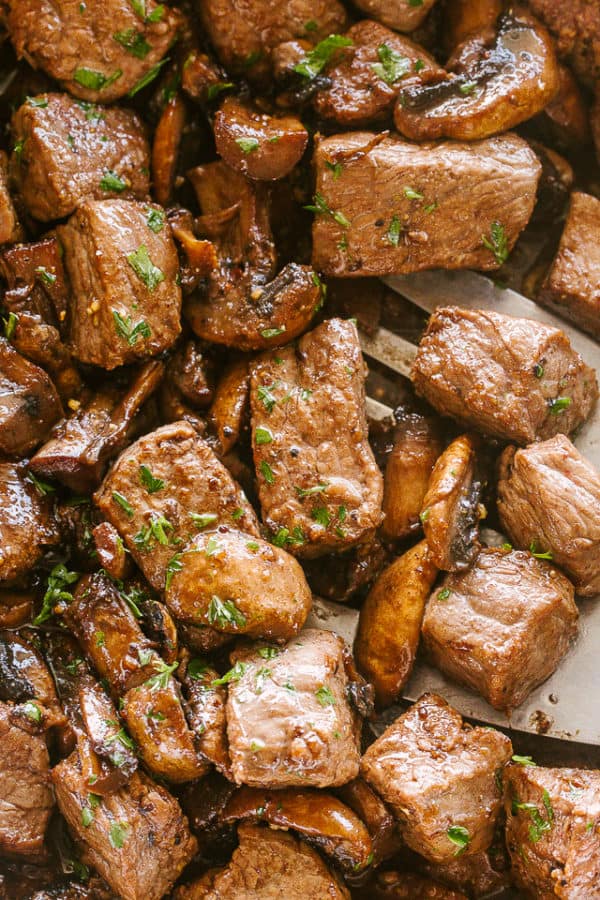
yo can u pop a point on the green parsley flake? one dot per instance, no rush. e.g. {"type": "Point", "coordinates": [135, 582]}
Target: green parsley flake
{"type": "Point", "coordinates": [95, 81]}
{"type": "Point", "coordinates": [134, 42]}
{"type": "Point", "coordinates": [147, 78]}
{"type": "Point", "coordinates": [202, 520]}
{"type": "Point", "coordinates": [58, 579]}
{"type": "Point", "coordinates": [152, 484]}
{"type": "Point", "coordinates": [233, 674]}
{"type": "Point", "coordinates": [325, 696]}
{"type": "Point", "coordinates": [263, 436]}
{"type": "Point", "coordinates": [320, 56]}
{"type": "Point", "coordinates": [497, 243]}
{"type": "Point", "coordinates": [394, 231]}
{"type": "Point", "coordinates": [144, 268]}
{"type": "Point", "coordinates": [308, 492]}
{"type": "Point", "coordinates": [247, 145]}
{"type": "Point", "coordinates": [392, 66]}
{"type": "Point", "coordinates": [267, 472]}
{"type": "Point", "coordinates": [225, 614]}
{"type": "Point", "coordinates": [320, 207]}
{"type": "Point", "coordinates": [523, 760]}
{"type": "Point", "coordinates": [111, 182]}
{"type": "Point", "coordinates": [123, 503]}
{"type": "Point", "coordinates": [118, 835]}
{"type": "Point", "coordinates": [459, 836]}
{"type": "Point", "coordinates": [128, 331]}
{"type": "Point", "coordinates": [215, 89]}
{"type": "Point", "coordinates": [268, 333]}
{"type": "Point", "coordinates": [558, 405]}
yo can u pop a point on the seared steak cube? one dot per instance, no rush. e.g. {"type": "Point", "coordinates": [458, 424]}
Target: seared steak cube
{"type": "Point", "coordinates": [267, 864]}
{"type": "Point", "coordinates": [289, 721]}
{"type": "Point", "coordinates": [10, 229]}
{"type": "Point", "coordinates": [71, 151]}
{"type": "Point", "coordinates": [439, 777]}
{"type": "Point", "coordinates": [549, 499]}
{"type": "Point", "coordinates": [99, 49]}
{"type": "Point", "coordinates": [126, 302]}
{"type": "Point", "coordinates": [165, 488]}
{"type": "Point", "coordinates": [553, 830]}
{"type": "Point", "coordinates": [244, 37]}
{"type": "Point", "coordinates": [384, 206]}
{"type": "Point", "coordinates": [319, 486]}
{"type": "Point", "coordinates": [136, 838]}
{"type": "Point", "coordinates": [27, 527]}
{"type": "Point", "coordinates": [502, 627]}
{"type": "Point", "coordinates": [398, 14]}
{"type": "Point", "coordinates": [26, 799]}
{"type": "Point", "coordinates": [510, 378]}
{"type": "Point", "coordinates": [576, 26]}
{"type": "Point", "coordinates": [572, 285]}
{"type": "Point", "coordinates": [29, 404]}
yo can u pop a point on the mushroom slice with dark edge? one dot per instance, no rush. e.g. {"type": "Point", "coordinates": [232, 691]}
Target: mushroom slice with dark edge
{"type": "Point", "coordinates": [245, 304]}
{"type": "Point", "coordinates": [107, 736]}
{"type": "Point", "coordinates": [28, 526]}
{"type": "Point", "coordinates": [320, 818]}
{"type": "Point", "coordinates": [81, 446]}
{"type": "Point", "coordinates": [165, 148]}
{"type": "Point", "coordinates": [261, 146]}
{"type": "Point", "coordinates": [371, 810]}
{"type": "Point", "coordinates": [492, 89]}
{"type": "Point", "coordinates": [205, 710]}
{"type": "Point", "coordinates": [451, 507]}
{"type": "Point", "coordinates": [27, 683]}
{"type": "Point", "coordinates": [229, 410]}
{"type": "Point", "coordinates": [29, 404]}
{"type": "Point", "coordinates": [10, 227]}
{"type": "Point", "coordinates": [239, 584]}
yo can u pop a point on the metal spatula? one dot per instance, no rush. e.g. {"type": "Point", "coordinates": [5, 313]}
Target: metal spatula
{"type": "Point", "coordinates": [566, 705]}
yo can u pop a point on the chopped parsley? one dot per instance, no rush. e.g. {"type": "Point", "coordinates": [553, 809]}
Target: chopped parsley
{"type": "Point", "coordinates": [48, 278]}
{"type": "Point", "coordinates": [325, 696]}
{"type": "Point", "coordinates": [265, 396]}
{"type": "Point", "coordinates": [38, 102]}
{"type": "Point", "coordinates": [118, 834]}
{"type": "Point", "coordinates": [394, 231]}
{"type": "Point", "coordinates": [128, 331]}
{"type": "Point", "coordinates": [144, 268]}
{"type": "Point", "coordinates": [308, 492]}
{"type": "Point", "coordinates": [335, 168]}
{"type": "Point", "coordinates": [392, 66]}
{"type": "Point", "coordinates": [152, 484]}
{"type": "Point", "coordinates": [540, 825]}
{"type": "Point", "coordinates": [58, 579]}
{"type": "Point", "coordinates": [267, 652]}
{"type": "Point", "coordinates": [111, 182]}
{"type": "Point", "coordinates": [467, 88]}
{"type": "Point", "coordinates": [320, 207]}
{"type": "Point", "coordinates": [196, 669]}
{"type": "Point", "coordinates": [267, 472]}
{"type": "Point", "coordinates": [247, 145]}
{"type": "Point", "coordinates": [523, 760]}
{"type": "Point", "coordinates": [424, 515]}
{"type": "Point", "coordinates": [283, 537]}
{"type": "Point", "coordinates": [268, 333]}
{"type": "Point", "coordinates": [10, 325]}
{"type": "Point", "coordinates": [321, 516]}
{"type": "Point", "coordinates": [224, 613]}
{"type": "Point", "coordinates": [139, 8]}
{"type": "Point", "coordinates": [497, 243]}
{"type": "Point", "coordinates": [320, 56]}
{"type": "Point", "coordinates": [233, 674]}
{"type": "Point", "coordinates": [100, 639]}
{"type": "Point", "coordinates": [444, 593]}
{"type": "Point", "coordinates": [146, 79]}
{"type": "Point", "coordinates": [411, 194]}
{"type": "Point", "coordinates": [42, 487]}
{"type": "Point", "coordinates": [202, 520]}
{"type": "Point", "coordinates": [32, 711]}
{"type": "Point", "coordinates": [134, 42]}
{"type": "Point", "coordinates": [155, 220]}
{"type": "Point", "coordinates": [558, 405]}
{"type": "Point", "coordinates": [95, 81]}
{"type": "Point", "coordinates": [215, 89]}
{"type": "Point", "coordinates": [263, 436]}
{"type": "Point", "coordinates": [538, 370]}
{"type": "Point", "coordinates": [160, 679]}
{"type": "Point", "coordinates": [124, 503]}
{"type": "Point", "coordinates": [459, 836]}
{"type": "Point", "coordinates": [539, 554]}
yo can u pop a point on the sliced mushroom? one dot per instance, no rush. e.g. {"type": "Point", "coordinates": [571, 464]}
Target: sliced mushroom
{"type": "Point", "coordinates": [201, 639]}
{"type": "Point", "coordinates": [26, 681]}
{"type": "Point", "coordinates": [452, 506]}
{"type": "Point", "coordinates": [229, 408]}
{"type": "Point", "coordinates": [371, 809]}
{"type": "Point", "coordinates": [202, 79]}
{"type": "Point", "coordinates": [16, 608]}
{"type": "Point", "coordinates": [416, 446]}
{"type": "Point", "coordinates": [565, 120]}
{"type": "Point", "coordinates": [107, 737]}
{"type": "Point", "coordinates": [29, 404]}
{"type": "Point", "coordinates": [244, 305]}
{"type": "Point", "coordinates": [81, 446]}
{"type": "Point", "coordinates": [10, 228]}
{"type": "Point", "coordinates": [205, 708]}
{"type": "Point", "coordinates": [463, 18]}
{"type": "Point", "coordinates": [319, 817]}
{"type": "Point", "coordinates": [262, 147]}
{"type": "Point", "coordinates": [161, 628]}
{"type": "Point", "coordinates": [200, 256]}
{"type": "Point", "coordinates": [165, 149]}
{"type": "Point", "coordinates": [110, 551]}
{"type": "Point", "coordinates": [493, 86]}
{"type": "Point", "coordinates": [390, 619]}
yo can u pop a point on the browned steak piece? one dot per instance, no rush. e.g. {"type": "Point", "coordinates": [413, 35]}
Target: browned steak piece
{"type": "Point", "coordinates": [385, 206]}
{"type": "Point", "coordinates": [239, 584]}
{"type": "Point", "coordinates": [244, 34]}
{"type": "Point", "coordinates": [27, 527]}
{"type": "Point", "coordinates": [364, 84]}
{"type": "Point", "coordinates": [438, 775]}
{"type": "Point", "coordinates": [400, 885]}
{"type": "Point", "coordinates": [10, 229]}
{"type": "Point", "coordinates": [71, 151]}
{"type": "Point", "coordinates": [124, 269]}
{"type": "Point", "coordinates": [552, 831]}
{"type": "Point", "coordinates": [549, 498]}
{"type": "Point", "coordinates": [401, 15]}
{"type": "Point", "coordinates": [572, 285]}
{"type": "Point", "coordinates": [268, 865]}
{"type": "Point", "coordinates": [98, 50]}
{"type": "Point", "coordinates": [513, 379]}
{"type": "Point", "coordinates": [25, 793]}
{"type": "Point", "coordinates": [164, 489]}
{"type": "Point", "coordinates": [137, 838]}
{"type": "Point", "coordinates": [503, 626]}
{"type": "Point", "coordinates": [29, 404]}
{"type": "Point", "coordinates": [319, 485]}
{"type": "Point", "coordinates": [576, 27]}
{"type": "Point", "coordinates": [289, 720]}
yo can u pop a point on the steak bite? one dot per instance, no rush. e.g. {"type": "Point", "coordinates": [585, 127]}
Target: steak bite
{"type": "Point", "coordinates": [512, 379]}
{"type": "Point", "coordinates": [438, 776]}
{"type": "Point", "coordinates": [10, 228]}
{"type": "Point", "coordinates": [319, 486]}
{"type": "Point", "coordinates": [244, 37]}
{"type": "Point", "coordinates": [99, 51]}
{"type": "Point", "coordinates": [572, 285]}
{"type": "Point", "coordinates": [71, 151]}
{"type": "Point", "coordinates": [29, 404]}
{"type": "Point", "coordinates": [164, 489]}
{"type": "Point", "coordinates": [451, 506]}
{"type": "Point", "coordinates": [126, 302]}
{"type": "Point", "coordinates": [270, 865]}
{"type": "Point", "coordinates": [289, 720]}
{"type": "Point", "coordinates": [552, 830]}
{"type": "Point", "coordinates": [576, 27]}
{"type": "Point", "coordinates": [386, 206]}
{"type": "Point", "coordinates": [26, 799]}
{"type": "Point", "coordinates": [27, 526]}
{"type": "Point", "coordinates": [549, 499]}
{"type": "Point", "coordinates": [502, 627]}
{"type": "Point", "coordinates": [239, 584]}
{"type": "Point", "coordinates": [137, 838]}
{"type": "Point", "coordinates": [362, 87]}
{"type": "Point", "coordinates": [399, 15]}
